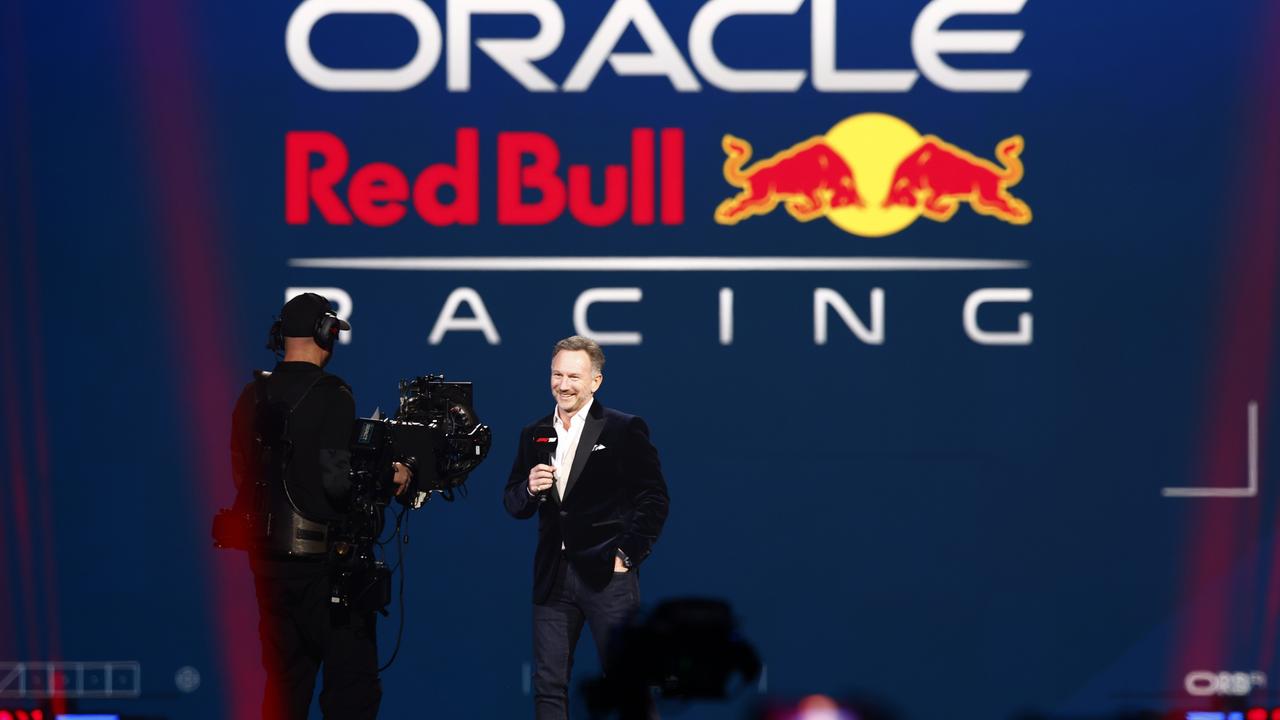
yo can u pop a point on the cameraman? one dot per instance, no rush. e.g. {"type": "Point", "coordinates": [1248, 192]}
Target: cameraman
{"type": "Point", "coordinates": [313, 412]}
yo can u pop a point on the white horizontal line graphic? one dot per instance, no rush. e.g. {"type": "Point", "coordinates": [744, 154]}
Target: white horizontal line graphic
{"type": "Point", "coordinates": [675, 263]}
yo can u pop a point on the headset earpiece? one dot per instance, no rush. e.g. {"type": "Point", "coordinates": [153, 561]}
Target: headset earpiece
{"type": "Point", "coordinates": [327, 330]}
{"type": "Point", "coordinates": [275, 341]}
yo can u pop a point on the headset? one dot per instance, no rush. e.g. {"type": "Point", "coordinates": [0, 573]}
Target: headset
{"type": "Point", "coordinates": [325, 332]}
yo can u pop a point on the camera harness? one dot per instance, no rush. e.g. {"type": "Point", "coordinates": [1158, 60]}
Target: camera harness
{"type": "Point", "coordinates": [300, 536]}
{"type": "Point", "coordinates": [304, 537]}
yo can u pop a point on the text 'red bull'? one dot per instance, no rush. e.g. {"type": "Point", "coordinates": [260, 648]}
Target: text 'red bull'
{"type": "Point", "coordinates": [939, 176]}
{"type": "Point", "coordinates": [530, 189]}
{"type": "Point", "coordinates": [809, 178]}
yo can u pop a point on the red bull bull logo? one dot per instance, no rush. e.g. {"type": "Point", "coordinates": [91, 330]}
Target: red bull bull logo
{"type": "Point", "coordinates": [808, 178]}
{"type": "Point", "coordinates": [873, 175]}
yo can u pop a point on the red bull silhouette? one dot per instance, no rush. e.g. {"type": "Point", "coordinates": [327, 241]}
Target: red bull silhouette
{"type": "Point", "coordinates": [941, 176]}
{"type": "Point", "coordinates": [809, 178]}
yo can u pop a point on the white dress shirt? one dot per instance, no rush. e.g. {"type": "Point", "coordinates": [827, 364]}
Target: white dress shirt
{"type": "Point", "coordinates": [567, 444]}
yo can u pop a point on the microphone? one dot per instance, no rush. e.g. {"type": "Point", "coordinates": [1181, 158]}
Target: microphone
{"type": "Point", "coordinates": [544, 447]}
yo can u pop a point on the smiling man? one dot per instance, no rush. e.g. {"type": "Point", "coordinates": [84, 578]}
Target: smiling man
{"type": "Point", "coordinates": [592, 477]}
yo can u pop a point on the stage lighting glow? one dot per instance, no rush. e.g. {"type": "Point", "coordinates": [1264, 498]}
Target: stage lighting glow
{"type": "Point", "coordinates": [821, 707]}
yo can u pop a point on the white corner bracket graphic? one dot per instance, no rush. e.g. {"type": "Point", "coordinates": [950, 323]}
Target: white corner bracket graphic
{"type": "Point", "coordinates": [1251, 490]}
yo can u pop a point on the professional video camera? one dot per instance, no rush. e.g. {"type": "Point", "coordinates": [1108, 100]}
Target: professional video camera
{"type": "Point", "coordinates": [435, 432]}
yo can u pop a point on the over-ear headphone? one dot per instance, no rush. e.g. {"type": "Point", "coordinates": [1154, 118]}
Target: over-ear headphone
{"type": "Point", "coordinates": [326, 331]}
{"type": "Point", "coordinates": [275, 341]}
{"type": "Point", "coordinates": [327, 327]}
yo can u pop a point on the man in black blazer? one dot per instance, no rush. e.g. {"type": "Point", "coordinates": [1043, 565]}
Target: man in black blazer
{"type": "Point", "coordinates": [593, 478]}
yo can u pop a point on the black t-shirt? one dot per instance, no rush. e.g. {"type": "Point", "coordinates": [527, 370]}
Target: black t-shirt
{"type": "Point", "coordinates": [319, 429]}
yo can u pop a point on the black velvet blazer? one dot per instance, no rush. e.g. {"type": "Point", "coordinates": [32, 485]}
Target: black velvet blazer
{"type": "Point", "coordinates": [615, 499]}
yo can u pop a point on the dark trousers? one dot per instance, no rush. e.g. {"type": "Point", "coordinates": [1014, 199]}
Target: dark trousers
{"type": "Point", "coordinates": [557, 623]}
{"type": "Point", "coordinates": [301, 633]}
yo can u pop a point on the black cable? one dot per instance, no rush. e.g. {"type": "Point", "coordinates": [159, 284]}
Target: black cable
{"type": "Point", "coordinates": [403, 572]}
{"type": "Point", "coordinates": [394, 533]}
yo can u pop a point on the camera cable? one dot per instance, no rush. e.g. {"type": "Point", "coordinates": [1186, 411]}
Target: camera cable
{"type": "Point", "coordinates": [404, 540]}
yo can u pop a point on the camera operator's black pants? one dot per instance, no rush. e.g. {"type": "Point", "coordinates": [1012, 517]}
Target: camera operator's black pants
{"type": "Point", "coordinates": [301, 633]}
{"type": "Point", "coordinates": [557, 623]}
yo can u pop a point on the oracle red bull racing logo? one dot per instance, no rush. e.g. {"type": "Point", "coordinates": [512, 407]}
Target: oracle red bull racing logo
{"type": "Point", "coordinates": [873, 175]}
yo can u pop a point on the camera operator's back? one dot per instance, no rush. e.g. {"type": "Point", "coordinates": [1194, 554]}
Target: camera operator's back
{"type": "Point", "coordinates": [320, 416]}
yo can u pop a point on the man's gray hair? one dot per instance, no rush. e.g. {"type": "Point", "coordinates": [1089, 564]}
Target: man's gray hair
{"type": "Point", "coordinates": [585, 344]}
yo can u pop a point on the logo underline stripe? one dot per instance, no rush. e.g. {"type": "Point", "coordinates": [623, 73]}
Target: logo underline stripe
{"type": "Point", "coordinates": [677, 263]}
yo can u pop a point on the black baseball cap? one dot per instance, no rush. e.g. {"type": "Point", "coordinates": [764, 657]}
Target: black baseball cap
{"type": "Point", "coordinates": [298, 317]}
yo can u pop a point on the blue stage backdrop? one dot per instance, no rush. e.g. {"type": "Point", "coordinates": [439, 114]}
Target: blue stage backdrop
{"type": "Point", "coordinates": [953, 322]}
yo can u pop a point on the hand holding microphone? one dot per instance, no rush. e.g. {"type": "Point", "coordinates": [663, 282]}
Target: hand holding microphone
{"type": "Point", "coordinates": [542, 476]}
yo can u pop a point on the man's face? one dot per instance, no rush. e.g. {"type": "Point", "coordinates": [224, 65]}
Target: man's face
{"type": "Point", "coordinates": [573, 381]}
